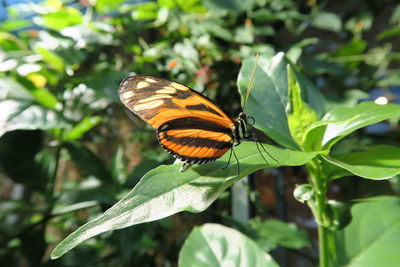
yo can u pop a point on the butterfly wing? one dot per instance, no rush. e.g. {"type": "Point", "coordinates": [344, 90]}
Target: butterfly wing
{"type": "Point", "coordinates": [189, 126]}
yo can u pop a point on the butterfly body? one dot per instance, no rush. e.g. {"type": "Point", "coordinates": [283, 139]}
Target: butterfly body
{"type": "Point", "coordinates": [189, 126]}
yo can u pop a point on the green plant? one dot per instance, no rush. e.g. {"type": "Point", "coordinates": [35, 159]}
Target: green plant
{"type": "Point", "coordinates": [309, 140]}
{"type": "Point", "coordinates": [68, 153]}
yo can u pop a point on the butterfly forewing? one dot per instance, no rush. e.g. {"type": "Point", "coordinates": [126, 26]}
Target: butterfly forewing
{"type": "Point", "coordinates": [189, 126]}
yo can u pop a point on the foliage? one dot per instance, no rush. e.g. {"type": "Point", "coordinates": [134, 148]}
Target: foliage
{"type": "Point", "coordinates": [68, 153]}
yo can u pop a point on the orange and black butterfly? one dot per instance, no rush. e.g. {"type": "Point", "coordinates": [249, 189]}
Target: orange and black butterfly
{"type": "Point", "coordinates": [190, 127]}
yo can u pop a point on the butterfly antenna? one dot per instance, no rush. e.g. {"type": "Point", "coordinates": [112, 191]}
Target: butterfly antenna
{"type": "Point", "coordinates": [251, 81]}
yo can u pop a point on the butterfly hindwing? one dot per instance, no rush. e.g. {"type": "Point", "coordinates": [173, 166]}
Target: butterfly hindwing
{"type": "Point", "coordinates": [189, 126]}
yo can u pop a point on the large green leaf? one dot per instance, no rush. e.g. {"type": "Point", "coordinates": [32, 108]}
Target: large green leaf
{"type": "Point", "coordinates": [165, 191]}
{"type": "Point", "coordinates": [25, 115]}
{"type": "Point", "coordinates": [218, 245]}
{"type": "Point", "coordinates": [380, 162]}
{"type": "Point", "coordinates": [268, 98]}
{"type": "Point", "coordinates": [342, 121]}
{"type": "Point", "coordinates": [373, 236]}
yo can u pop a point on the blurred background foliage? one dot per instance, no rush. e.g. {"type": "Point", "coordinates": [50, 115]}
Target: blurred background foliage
{"type": "Point", "coordinates": [68, 150]}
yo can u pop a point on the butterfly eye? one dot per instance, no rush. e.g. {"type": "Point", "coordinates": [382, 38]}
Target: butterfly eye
{"type": "Point", "coordinates": [243, 116]}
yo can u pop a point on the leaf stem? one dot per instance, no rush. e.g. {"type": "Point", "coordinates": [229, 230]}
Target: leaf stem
{"type": "Point", "coordinates": [318, 207]}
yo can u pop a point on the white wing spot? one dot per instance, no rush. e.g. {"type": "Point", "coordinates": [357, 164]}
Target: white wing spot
{"type": "Point", "coordinates": [179, 86]}
{"type": "Point", "coordinates": [140, 85]}
{"type": "Point", "coordinates": [150, 80]}
{"type": "Point", "coordinates": [128, 94]}
{"type": "Point", "coordinates": [155, 97]}
{"type": "Point", "coordinates": [166, 90]}
{"type": "Point", "coordinates": [148, 105]}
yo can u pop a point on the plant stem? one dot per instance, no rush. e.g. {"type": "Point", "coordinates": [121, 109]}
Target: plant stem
{"type": "Point", "coordinates": [317, 206]}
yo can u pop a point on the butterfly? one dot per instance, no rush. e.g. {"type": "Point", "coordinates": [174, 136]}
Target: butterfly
{"type": "Point", "coordinates": [189, 126]}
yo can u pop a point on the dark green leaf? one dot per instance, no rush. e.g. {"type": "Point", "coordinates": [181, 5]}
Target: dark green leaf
{"type": "Point", "coordinates": [274, 233]}
{"type": "Point", "coordinates": [389, 33]}
{"type": "Point", "coordinates": [88, 162]}
{"type": "Point", "coordinates": [217, 245]}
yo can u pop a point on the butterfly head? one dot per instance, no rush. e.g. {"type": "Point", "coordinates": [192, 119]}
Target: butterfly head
{"type": "Point", "coordinates": [243, 126]}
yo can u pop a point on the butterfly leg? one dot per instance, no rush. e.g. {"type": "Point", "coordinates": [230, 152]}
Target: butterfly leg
{"type": "Point", "coordinates": [184, 167]}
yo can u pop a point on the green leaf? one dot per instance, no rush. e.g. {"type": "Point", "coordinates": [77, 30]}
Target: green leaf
{"type": "Point", "coordinates": [269, 96]}
{"type": "Point", "coordinates": [25, 115]}
{"type": "Point", "coordinates": [389, 33]}
{"type": "Point", "coordinates": [51, 58]}
{"type": "Point", "coordinates": [68, 16]}
{"type": "Point", "coordinates": [327, 21]}
{"type": "Point", "coordinates": [342, 121]}
{"type": "Point", "coordinates": [82, 127]}
{"type": "Point", "coordinates": [165, 191]}
{"type": "Point", "coordinates": [231, 5]}
{"type": "Point", "coordinates": [13, 25]}
{"type": "Point", "coordinates": [218, 245]}
{"type": "Point", "coordinates": [364, 114]}
{"type": "Point", "coordinates": [108, 6]}
{"type": "Point", "coordinates": [373, 236]}
{"type": "Point", "coordinates": [146, 10]}
{"type": "Point", "coordinates": [380, 162]}
{"type": "Point", "coordinates": [274, 233]}
{"type": "Point", "coordinates": [300, 115]}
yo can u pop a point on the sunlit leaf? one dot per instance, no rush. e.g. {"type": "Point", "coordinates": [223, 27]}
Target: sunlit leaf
{"type": "Point", "coordinates": [165, 191]}
{"type": "Point", "coordinates": [364, 114]}
{"type": "Point", "coordinates": [300, 115]}
{"type": "Point", "coordinates": [51, 58]}
{"type": "Point", "coordinates": [68, 16]}
{"type": "Point", "coordinates": [380, 162]}
{"type": "Point", "coordinates": [342, 121]}
{"type": "Point", "coordinates": [218, 245]}
{"type": "Point", "coordinates": [24, 115]}
{"type": "Point", "coordinates": [81, 128]}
